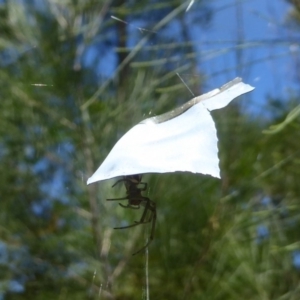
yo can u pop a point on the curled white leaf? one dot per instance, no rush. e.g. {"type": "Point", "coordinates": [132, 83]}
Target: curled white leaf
{"type": "Point", "coordinates": [183, 139]}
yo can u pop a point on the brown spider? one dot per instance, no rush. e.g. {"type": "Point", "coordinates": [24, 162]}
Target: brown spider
{"type": "Point", "coordinates": [135, 200]}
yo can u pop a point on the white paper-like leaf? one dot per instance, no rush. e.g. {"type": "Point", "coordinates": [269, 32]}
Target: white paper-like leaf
{"type": "Point", "coordinates": [183, 139]}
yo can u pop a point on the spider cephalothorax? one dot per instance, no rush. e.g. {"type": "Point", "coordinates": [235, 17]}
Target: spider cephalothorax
{"type": "Point", "coordinates": [135, 201]}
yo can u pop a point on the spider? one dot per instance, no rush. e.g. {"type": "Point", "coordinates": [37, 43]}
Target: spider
{"type": "Point", "coordinates": [135, 200]}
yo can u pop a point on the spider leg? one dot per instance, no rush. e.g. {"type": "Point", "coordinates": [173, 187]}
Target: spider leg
{"type": "Point", "coordinates": [151, 237]}
{"type": "Point", "coordinates": [141, 220]}
{"type": "Point", "coordinates": [150, 205]}
{"type": "Point", "coordinates": [124, 227]}
{"type": "Point", "coordinates": [149, 241]}
{"type": "Point", "coordinates": [129, 206]}
{"type": "Point", "coordinates": [145, 222]}
{"type": "Point", "coordinates": [145, 186]}
{"type": "Point", "coordinates": [120, 180]}
{"type": "Point", "coordinates": [147, 200]}
{"type": "Point", "coordinates": [126, 179]}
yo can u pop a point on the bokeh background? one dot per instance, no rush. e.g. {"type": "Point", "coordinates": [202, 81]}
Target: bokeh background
{"type": "Point", "coordinates": [75, 76]}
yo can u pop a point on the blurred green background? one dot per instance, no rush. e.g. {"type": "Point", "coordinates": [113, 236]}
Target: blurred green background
{"type": "Point", "coordinates": [74, 77]}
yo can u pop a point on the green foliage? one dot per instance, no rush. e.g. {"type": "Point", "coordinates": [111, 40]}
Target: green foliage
{"type": "Point", "coordinates": [58, 120]}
